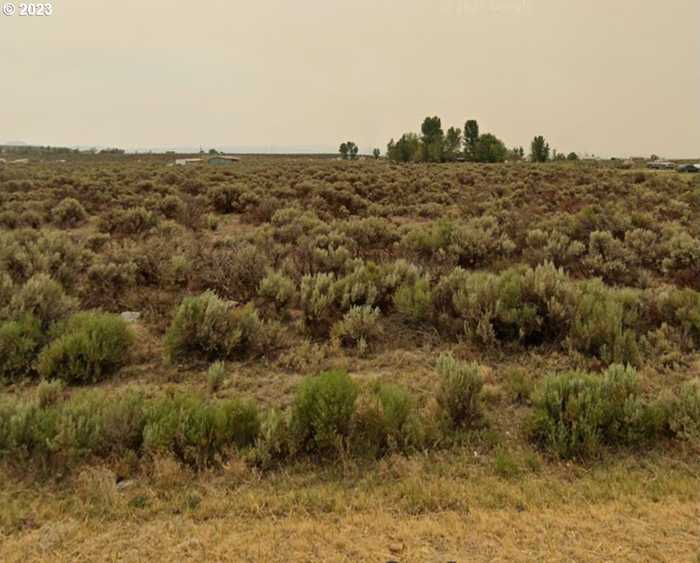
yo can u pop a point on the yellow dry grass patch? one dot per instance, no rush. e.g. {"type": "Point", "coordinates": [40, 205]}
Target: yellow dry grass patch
{"type": "Point", "coordinates": [609, 532]}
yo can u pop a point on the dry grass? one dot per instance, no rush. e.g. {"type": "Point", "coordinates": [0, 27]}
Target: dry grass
{"type": "Point", "coordinates": [433, 509]}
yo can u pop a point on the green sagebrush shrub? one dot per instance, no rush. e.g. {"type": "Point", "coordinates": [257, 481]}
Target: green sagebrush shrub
{"type": "Point", "coordinates": [90, 423]}
{"type": "Point", "coordinates": [605, 323]}
{"type": "Point", "coordinates": [69, 213]}
{"type": "Point", "coordinates": [386, 420]}
{"type": "Point", "coordinates": [197, 431]}
{"type": "Point", "coordinates": [359, 328]}
{"type": "Point", "coordinates": [27, 252]}
{"type": "Point", "coordinates": [215, 376]}
{"type": "Point", "coordinates": [234, 272]}
{"type": "Point", "coordinates": [206, 327]}
{"type": "Point", "coordinates": [133, 221]}
{"type": "Point", "coordinates": [684, 412]}
{"type": "Point", "coordinates": [317, 295]}
{"type": "Point", "coordinates": [44, 299]}
{"type": "Point", "coordinates": [472, 244]}
{"type": "Point", "coordinates": [20, 342]}
{"type": "Point", "coordinates": [576, 413]}
{"type": "Point", "coordinates": [526, 305]}
{"type": "Point", "coordinates": [88, 347]}
{"type": "Point", "coordinates": [277, 289]}
{"type": "Point", "coordinates": [459, 393]}
{"type": "Point", "coordinates": [414, 301]}
{"type": "Point", "coordinates": [322, 413]}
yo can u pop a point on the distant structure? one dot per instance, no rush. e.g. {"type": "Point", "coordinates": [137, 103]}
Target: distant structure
{"type": "Point", "coordinates": [661, 165]}
{"type": "Point", "coordinates": [222, 160]}
{"type": "Point", "coordinates": [187, 161]}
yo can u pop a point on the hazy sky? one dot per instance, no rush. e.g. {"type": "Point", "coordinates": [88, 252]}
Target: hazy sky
{"type": "Point", "coordinates": [607, 77]}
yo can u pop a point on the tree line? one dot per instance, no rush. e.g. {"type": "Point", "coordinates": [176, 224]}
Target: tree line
{"type": "Point", "coordinates": [433, 144]}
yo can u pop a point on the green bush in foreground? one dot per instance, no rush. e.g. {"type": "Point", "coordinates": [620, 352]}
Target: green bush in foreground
{"type": "Point", "coordinates": [197, 431]}
{"type": "Point", "coordinates": [20, 342]}
{"type": "Point", "coordinates": [459, 394]}
{"type": "Point", "coordinates": [91, 423]}
{"type": "Point", "coordinates": [322, 412]}
{"type": "Point", "coordinates": [684, 414]}
{"type": "Point", "coordinates": [386, 419]}
{"type": "Point", "coordinates": [90, 346]}
{"type": "Point", "coordinates": [575, 414]}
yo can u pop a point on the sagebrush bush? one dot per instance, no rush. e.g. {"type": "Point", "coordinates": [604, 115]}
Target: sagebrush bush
{"type": "Point", "coordinates": [215, 376]}
{"type": "Point", "coordinates": [386, 420]}
{"type": "Point", "coordinates": [603, 326]}
{"type": "Point", "coordinates": [530, 306]}
{"type": "Point", "coordinates": [226, 199]}
{"type": "Point", "coordinates": [234, 273]}
{"type": "Point", "coordinates": [20, 342]}
{"type": "Point", "coordinates": [278, 289]}
{"type": "Point", "coordinates": [360, 328]}
{"type": "Point", "coordinates": [273, 443]}
{"type": "Point", "coordinates": [88, 347]}
{"type": "Point", "coordinates": [317, 295]}
{"type": "Point", "coordinates": [133, 221]}
{"type": "Point", "coordinates": [576, 413]}
{"type": "Point", "coordinates": [206, 327]}
{"type": "Point", "coordinates": [90, 423]}
{"type": "Point", "coordinates": [684, 412]}
{"type": "Point", "coordinates": [322, 413]}
{"type": "Point", "coordinates": [49, 392]}
{"type": "Point", "coordinates": [459, 392]}
{"type": "Point", "coordinates": [197, 431]}
{"type": "Point", "coordinates": [69, 213]}
{"type": "Point", "coordinates": [44, 299]}
{"type": "Point", "coordinates": [414, 302]}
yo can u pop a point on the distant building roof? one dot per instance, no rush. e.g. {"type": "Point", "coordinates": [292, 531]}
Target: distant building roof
{"type": "Point", "coordinates": [224, 157]}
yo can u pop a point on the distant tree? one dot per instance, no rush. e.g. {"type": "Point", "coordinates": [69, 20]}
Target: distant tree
{"type": "Point", "coordinates": [572, 156]}
{"type": "Point", "coordinates": [376, 153]}
{"type": "Point", "coordinates": [433, 139]}
{"type": "Point", "coordinates": [348, 150]}
{"type": "Point", "coordinates": [407, 149]}
{"type": "Point", "coordinates": [516, 154]}
{"type": "Point", "coordinates": [490, 148]}
{"type": "Point", "coordinates": [558, 156]}
{"type": "Point", "coordinates": [539, 150]}
{"type": "Point", "coordinates": [453, 143]}
{"type": "Point", "coordinates": [471, 138]}
{"type": "Point", "coordinates": [654, 157]}
{"type": "Point", "coordinates": [213, 151]}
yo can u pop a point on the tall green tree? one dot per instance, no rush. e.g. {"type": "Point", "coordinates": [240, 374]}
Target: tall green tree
{"type": "Point", "coordinates": [539, 150]}
{"type": "Point", "coordinates": [376, 153]}
{"type": "Point", "coordinates": [490, 148]}
{"type": "Point", "coordinates": [407, 149]}
{"type": "Point", "coordinates": [348, 150]}
{"type": "Point", "coordinates": [453, 143]}
{"type": "Point", "coordinates": [433, 139]}
{"type": "Point", "coordinates": [471, 138]}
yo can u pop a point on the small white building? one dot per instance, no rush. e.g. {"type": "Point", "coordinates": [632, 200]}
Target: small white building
{"type": "Point", "coordinates": [187, 161]}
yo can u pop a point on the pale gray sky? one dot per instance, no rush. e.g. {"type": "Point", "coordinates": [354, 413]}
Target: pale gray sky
{"type": "Point", "coordinates": [608, 77]}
